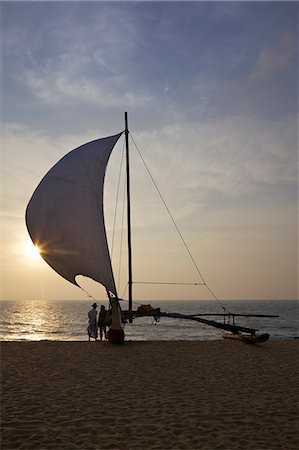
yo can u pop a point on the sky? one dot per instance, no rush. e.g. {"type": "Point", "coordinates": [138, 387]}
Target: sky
{"type": "Point", "coordinates": [211, 89]}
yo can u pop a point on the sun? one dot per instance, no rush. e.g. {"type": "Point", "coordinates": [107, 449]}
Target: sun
{"type": "Point", "coordinates": [31, 250]}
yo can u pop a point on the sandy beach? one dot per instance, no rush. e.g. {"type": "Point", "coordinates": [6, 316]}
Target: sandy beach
{"type": "Point", "coordinates": [149, 395]}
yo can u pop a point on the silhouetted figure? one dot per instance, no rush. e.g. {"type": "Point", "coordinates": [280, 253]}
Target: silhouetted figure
{"type": "Point", "coordinates": [102, 322]}
{"type": "Point", "coordinates": [92, 328]}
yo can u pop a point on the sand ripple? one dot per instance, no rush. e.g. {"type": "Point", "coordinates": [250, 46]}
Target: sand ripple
{"type": "Point", "coordinates": [149, 395]}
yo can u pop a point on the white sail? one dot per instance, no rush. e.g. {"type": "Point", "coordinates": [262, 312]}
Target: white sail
{"type": "Point", "coordinates": [65, 214]}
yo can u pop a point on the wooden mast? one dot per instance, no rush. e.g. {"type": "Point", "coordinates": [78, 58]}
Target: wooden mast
{"type": "Point", "coordinates": [130, 281]}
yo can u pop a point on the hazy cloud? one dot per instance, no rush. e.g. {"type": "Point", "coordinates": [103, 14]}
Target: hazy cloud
{"type": "Point", "coordinates": [273, 58]}
{"type": "Point", "coordinates": [57, 89]}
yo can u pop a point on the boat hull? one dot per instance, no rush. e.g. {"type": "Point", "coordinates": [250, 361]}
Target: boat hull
{"type": "Point", "coordinates": [116, 336]}
{"type": "Point", "coordinates": [248, 338]}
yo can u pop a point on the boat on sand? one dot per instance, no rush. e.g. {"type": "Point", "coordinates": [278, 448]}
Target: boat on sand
{"type": "Point", "coordinates": [65, 220]}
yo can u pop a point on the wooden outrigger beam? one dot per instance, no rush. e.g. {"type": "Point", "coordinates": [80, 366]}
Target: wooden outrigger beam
{"type": "Point", "coordinates": [212, 323]}
{"type": "Point", "coordinates": [156, 313]}
{"type": "Point", "coordinates": [233, 315]}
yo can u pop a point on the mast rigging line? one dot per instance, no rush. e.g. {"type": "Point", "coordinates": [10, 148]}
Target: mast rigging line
{"type": "Point", "coordinates": [87, 293]}
{"type": "Point", "coordinates": [169, 282]}
{"type": "Point", "coordinates": [116, 200]}
{"type": "Point", "coordinates": [118, 192]}
{"type": "Point", "coordinates": [176, 226]}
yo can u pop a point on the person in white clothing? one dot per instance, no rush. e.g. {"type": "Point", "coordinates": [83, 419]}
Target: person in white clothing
{"type": "Point", "coordinates": [92, 328]}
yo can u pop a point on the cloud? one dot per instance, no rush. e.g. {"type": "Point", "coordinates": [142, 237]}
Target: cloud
{"type": "Point", "coordinates": [59, 89]}
{"type": "Point", "coordinates": [63, 61]}
{"type": "Point", "coordinates": [271, 59]}
{"type": "Point", "coordinates": [235, 158]}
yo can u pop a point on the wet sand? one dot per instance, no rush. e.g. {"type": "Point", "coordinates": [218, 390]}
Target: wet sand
{"type": "Point", "coordinates": [149, 395]}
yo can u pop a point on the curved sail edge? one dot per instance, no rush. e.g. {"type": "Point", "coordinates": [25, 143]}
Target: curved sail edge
{"type": "Point", "coordinates": [65, 217]}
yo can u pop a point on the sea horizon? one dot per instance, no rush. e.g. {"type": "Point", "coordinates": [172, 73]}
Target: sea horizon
{"type": "Point", "coordinates": [34, 320]}
{"type": "Point", "coordinates": [146, 301]}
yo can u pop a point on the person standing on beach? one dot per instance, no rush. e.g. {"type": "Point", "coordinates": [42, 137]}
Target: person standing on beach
{"type": "Point", "coordinates": [92, 328]}
{"type": "Point", "coordinates": [102, 322]}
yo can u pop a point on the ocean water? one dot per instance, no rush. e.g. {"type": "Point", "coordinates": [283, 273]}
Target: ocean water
{"type": "Point", "coordinates": [67, 320]}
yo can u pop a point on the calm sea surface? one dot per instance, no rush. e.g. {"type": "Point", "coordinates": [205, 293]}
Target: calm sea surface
{"type": "Point", "coordinates": [67, 320]}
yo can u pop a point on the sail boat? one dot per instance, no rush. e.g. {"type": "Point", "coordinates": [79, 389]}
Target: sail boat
{"type": "Point", "coordinates": [65, 220]}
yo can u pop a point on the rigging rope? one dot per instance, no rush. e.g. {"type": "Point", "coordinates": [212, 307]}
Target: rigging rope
{"type": "Point", "coordinates": [115, 216]}
{"type": "Point", "coordinates": [177, 228]}
{"type": "Point", "coordinates": [168, 210]}
{"type": "Point", "coordinates": [169, 282]}
{"type": "Point", "coordinates": [87, 293]}
{"type": "Point", "coordinates": [121, 240]}
{"type": "Point", "coordinates": [116, 200]}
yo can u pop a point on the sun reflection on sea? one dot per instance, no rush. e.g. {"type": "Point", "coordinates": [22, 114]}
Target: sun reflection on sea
{"type": "Point", "coordinates": [34, 320]}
